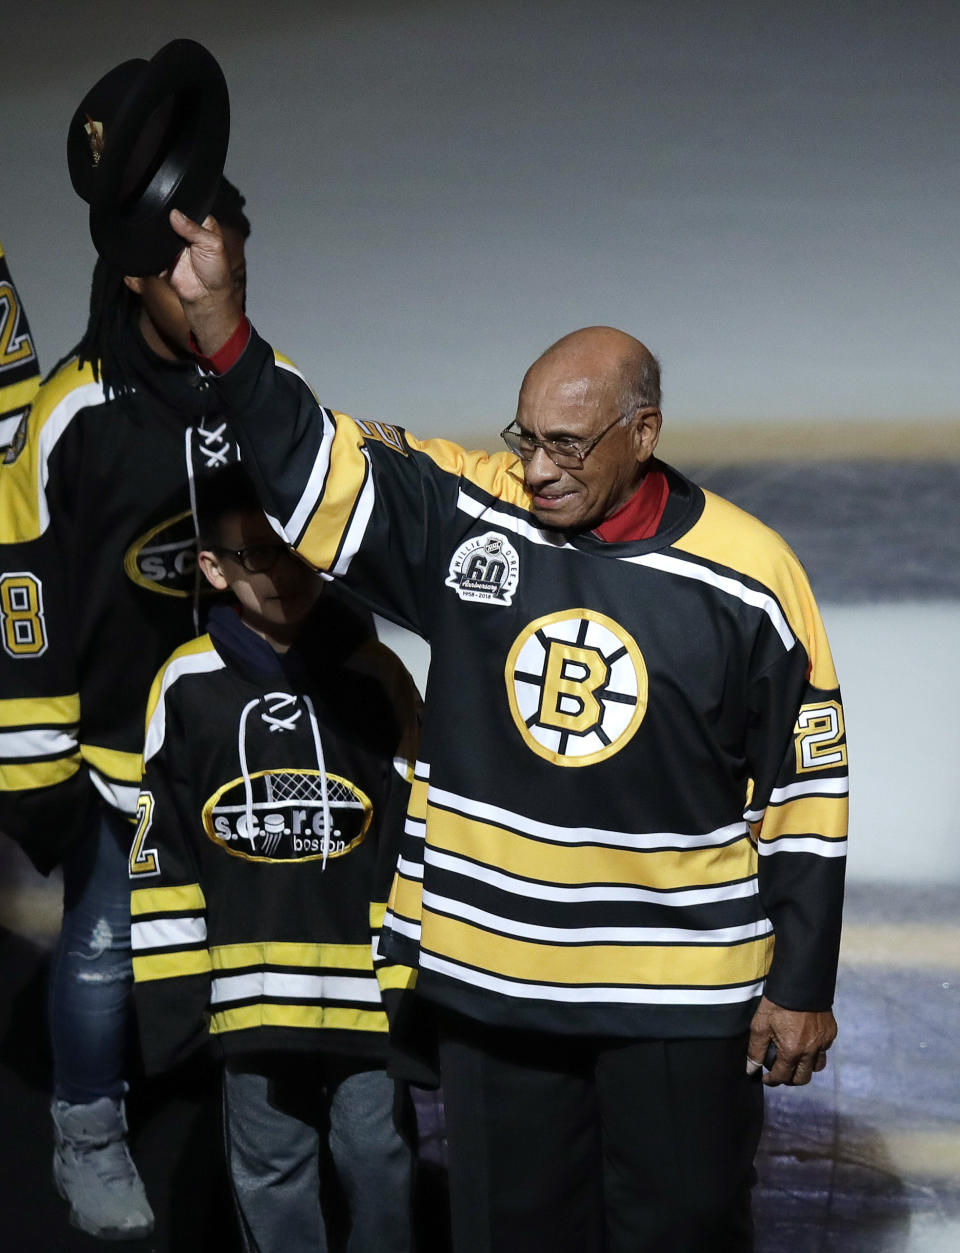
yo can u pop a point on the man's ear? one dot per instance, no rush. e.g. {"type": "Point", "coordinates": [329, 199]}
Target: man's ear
{"type": "Point", "coordinates": [134, 283]}
{"type": "Point", "coordinates": [646, 432]}
{"type": "Point", "coordinates": [209, 563]}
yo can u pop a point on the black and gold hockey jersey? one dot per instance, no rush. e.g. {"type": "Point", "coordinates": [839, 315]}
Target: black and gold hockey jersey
{"type": "Point", "coordinates": [19, 365]}
{"type": "Point", "coordinates": [97, 583]}
{"type": "Point", "coordinates": [629, 812]}
{"type": "Point", "coordinates": [269, 821]}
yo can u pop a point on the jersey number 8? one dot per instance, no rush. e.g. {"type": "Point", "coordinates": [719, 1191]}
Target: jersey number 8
{"type": "Point", "coordinates": [21, 608]}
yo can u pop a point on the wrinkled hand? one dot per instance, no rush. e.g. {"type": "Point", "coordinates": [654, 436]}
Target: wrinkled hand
{"type": "Point", "coordinates": [801, 1039]}
{"type": "Point", "coordinates": [201, 278]}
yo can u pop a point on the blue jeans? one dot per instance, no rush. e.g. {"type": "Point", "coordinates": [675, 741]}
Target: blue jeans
{"type": "Point", "coordinates": [276, 1109]}
{"type": "Point", "coordinates": [92, 972]}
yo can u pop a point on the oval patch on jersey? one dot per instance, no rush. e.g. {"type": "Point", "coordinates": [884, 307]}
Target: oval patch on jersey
{"type": "Point", "coordinates": [577, 687]}
{"type": "Point", "coordinates": [285, 820]}
{"type": "Point", "coordinates": [165, 559]}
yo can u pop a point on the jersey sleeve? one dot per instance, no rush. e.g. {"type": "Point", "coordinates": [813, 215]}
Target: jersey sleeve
{"type": "Point", "coordinates": [798, 813]}
{"type": "Point", "coordinates": [404, 705]}
{"type": "Point", "coordinates": [19, 364]}
{"type": "Point", "coordinates": [359, 500]}
{"type": "Point", "coordinates": [171, 958]}
{"type": "Point", "coordinates": [44, 789]}
{"type": "Point", "coordinates": [412, 1051]}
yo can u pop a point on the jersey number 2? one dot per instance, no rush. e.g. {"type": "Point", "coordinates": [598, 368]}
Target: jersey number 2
{"type": "Point", "coordinates": [143, 861]}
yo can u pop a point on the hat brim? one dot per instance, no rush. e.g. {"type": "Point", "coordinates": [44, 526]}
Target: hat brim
{"type": "Point", "coordinates": [165, 149]}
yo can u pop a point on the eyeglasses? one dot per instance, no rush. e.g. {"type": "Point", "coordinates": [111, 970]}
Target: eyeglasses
{"type": "Point", "coordinates": [566, 453]}
{"type": "Point", "coordinates": [256, 558]}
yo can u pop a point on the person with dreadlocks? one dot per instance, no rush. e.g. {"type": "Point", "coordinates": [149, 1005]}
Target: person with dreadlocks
{"type": "Point", "coordinates": [97, 586]}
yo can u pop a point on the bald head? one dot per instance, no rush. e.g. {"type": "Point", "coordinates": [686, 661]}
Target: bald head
{"type": "Point", "coordinates": [592, 403]}
{"type": "Point", "coordinates": [599, 360]}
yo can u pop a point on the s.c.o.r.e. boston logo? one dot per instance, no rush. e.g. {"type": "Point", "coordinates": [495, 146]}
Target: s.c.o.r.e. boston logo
{"type": "Point", "coordinates": [577, 687]}
{"type": "Point", "coordinates": [165, 559]}
{"type": "Point", "coordinates": [284, 819]}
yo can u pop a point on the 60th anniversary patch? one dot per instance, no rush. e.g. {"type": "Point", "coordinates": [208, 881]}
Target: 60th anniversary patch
{"type": "Point", "coordinates": [486, 568]}
{"type": "Point", "coordinates": [577, 687]}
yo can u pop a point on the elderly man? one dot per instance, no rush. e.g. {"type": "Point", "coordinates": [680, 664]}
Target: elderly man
{"type": "Point", "coordinates": [623, 869]}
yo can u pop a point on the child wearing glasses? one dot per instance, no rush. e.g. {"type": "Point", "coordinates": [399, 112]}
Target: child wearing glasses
{"type": "Point", "coordinates": [279, 748]}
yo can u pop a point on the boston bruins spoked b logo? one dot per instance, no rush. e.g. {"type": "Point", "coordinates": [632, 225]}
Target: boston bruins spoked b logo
{"type": "Point", "coordinates": [577, 687]}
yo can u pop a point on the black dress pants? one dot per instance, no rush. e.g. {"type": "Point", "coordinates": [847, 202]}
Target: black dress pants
{"type": "Point", "coordinates": [575, 1145]}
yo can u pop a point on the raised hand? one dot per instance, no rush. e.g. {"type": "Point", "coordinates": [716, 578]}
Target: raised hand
{"type": "Point", "coordinates": [201, 278]}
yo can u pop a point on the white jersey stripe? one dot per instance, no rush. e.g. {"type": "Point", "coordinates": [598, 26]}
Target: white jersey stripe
{"type": "Point", "coordinates": [659, 561]}
{"type": "Point", "coordinates": [313, 490]}
{"type": "Point", "coordinates": [723, 583]}
{"type": "Point", "coordinates": [580, 894]}
{"type": "Point", "coordinates": [409, 869]}
{"type": "Point", "coordinates": [119, 796]}
{"type": "Point", "coordinates": [269, 984]}
{"type": "Point", "coordinates": [402, 926]}
{"type": "Point", "coordinates": [803, 844]}
{"type": "Point", "coordinates": [596, 994]}
{"type": "Point", "coordinates": [596, 935]}
{"type": "Point", "coordinates": [37, 742]}
{"type": "Point", "coordinates": [55, 425]}
{"type": "Point", "coordinates": [810, 787]}
{"type": "Point", "coordinates": [415, 827]}
{"type": "Point", "coordinates": [519, 526]}
{"type": "Point", "coordinates": [168, 933]}
{"type": "Point", "coordinates": [641, 841]}
{"type": "Point", "coordinates": [8, 427]}
{"type": "Point", "coordinates": [193, 663]}
{"type": "Point", "coordinates": [359, 520]}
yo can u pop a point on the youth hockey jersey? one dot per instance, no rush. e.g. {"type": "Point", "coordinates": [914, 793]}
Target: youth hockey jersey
{"type": "Point", "coordinates": [97, 583]}
{"type": "Point", "coordinates": [269, 819]}
{"type": "Point", "coordinates": [629, 812]}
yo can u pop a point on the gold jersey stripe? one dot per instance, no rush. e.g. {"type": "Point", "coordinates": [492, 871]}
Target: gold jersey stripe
{"type": "Point", "coordinates": [726, 535]}
{"type": "Point", "coordinates": [35, 711]}
{"type": "Point", "coordinates": [19, 395]}
{"type": "Point", "coordinates": [824, 815]}
{"type": "Point", "coordinates": [307, 1017]}
{"type": "Point", "coordinates": [112, 762]}
{"type": "Point", "coordinates": [15, 777]}
{"type": "Point", "coordinates": [396, 977]}
{"type": "Point", "coordinates": [304, 956]}
{"type": "Point", "coordinates": [377, 910]}
{"type": "Point", "coordinates": [417, 805]}
{"type": "Point", "coordinates": [21, 482]}
{"type": "Point", "coordinates": [201, 644]}
{"type": "Point", "coordinates": [406, 898]}
{"type": "Point", "coordinates": [170, 900]}
{"type": "Point", "coordinates": [346, 477]}
{"type": "Point", "coordinates": [173, 965]}
{"type": "Point", "coordinates": [657, 965]}
{"type": "Point", "coordinates": [496, 473]}
{"type": "Point", "coordinates": [493, 846]}
{"type": "Point", "coordinates": [499, 473]}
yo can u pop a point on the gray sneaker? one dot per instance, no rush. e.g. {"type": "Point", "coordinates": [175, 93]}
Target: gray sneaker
{"type": "Point", "coordinates": [94, 1171]}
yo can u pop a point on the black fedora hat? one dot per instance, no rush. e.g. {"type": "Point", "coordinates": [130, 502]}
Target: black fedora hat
{"type": "Point", "coordinates": [149, 137]}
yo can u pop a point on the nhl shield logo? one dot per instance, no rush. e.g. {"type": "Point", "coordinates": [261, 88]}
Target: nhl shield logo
{"type": "Point", "coordinates": [486, 569]}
